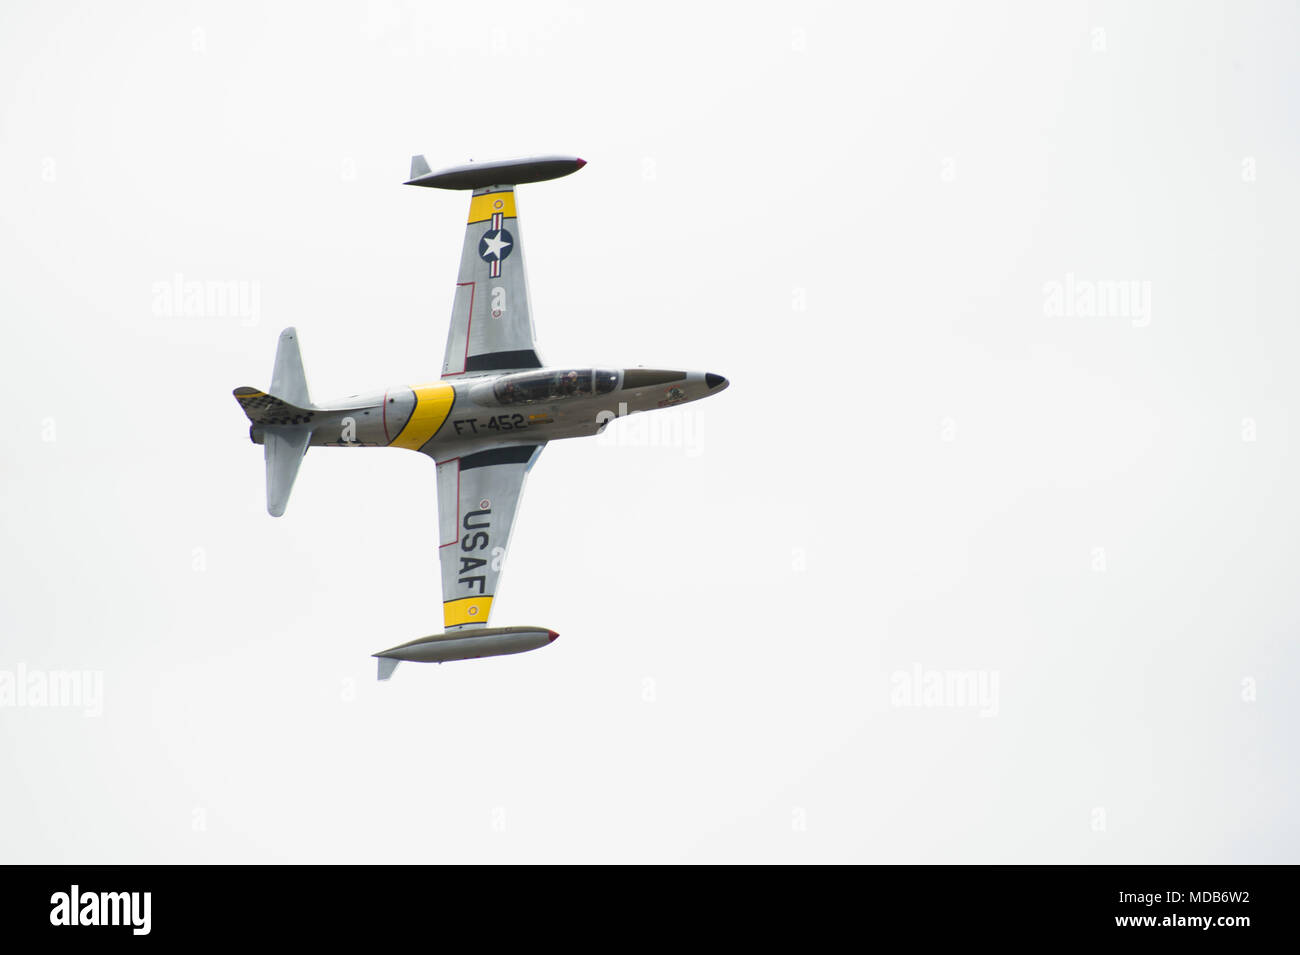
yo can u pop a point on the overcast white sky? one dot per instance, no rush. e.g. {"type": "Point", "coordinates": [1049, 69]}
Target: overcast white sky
{"type": "Point", "coordinates": [937, 465]}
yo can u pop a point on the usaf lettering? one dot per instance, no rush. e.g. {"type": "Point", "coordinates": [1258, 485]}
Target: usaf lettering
{"type": "Point", "coordinates": [476, 540]}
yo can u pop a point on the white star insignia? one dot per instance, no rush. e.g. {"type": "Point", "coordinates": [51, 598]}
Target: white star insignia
{"type": "Point", "coordinates": [494, 244]}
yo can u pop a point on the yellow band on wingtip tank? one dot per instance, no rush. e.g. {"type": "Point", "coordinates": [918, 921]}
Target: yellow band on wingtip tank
{"type": "Point", "coordinates": [466, 610]}
{"type": "Point", "coordinates": [432, 404]}
{"type": "Point", "coordinates": [482, 208]}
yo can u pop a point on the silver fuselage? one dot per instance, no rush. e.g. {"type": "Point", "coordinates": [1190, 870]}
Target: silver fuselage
{"type": "Point", "coordinates": [450, 418]}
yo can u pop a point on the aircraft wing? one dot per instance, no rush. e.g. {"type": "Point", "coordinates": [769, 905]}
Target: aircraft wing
{"type": "Point", "coordinates": [478, 496]}
{"type": "Point", "coordinates": [491, 320]}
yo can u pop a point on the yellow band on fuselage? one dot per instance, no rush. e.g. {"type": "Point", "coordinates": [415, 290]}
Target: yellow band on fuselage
{"type": "Point", "coordinates": [466, 610]}
{"type": "Point", "coordinates": [432, 404]}
{"type": "Point", "coordinates": [482, 208]}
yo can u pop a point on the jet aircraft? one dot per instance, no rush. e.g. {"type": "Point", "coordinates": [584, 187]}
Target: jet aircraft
{"type": "Point", "coordinates": [484, 422]}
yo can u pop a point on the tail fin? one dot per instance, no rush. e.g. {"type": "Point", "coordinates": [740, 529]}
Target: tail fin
{"type": "Point", "coordinates": [281, 421]}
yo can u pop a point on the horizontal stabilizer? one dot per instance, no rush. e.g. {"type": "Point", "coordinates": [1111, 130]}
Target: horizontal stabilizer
{"type": "Point", "coordinates": [281, 421]}
{"type": "Point", "coordinates": [505, 172]}
{"type": "Point", "coordinates": [284, 448]}
{"type": "Point", "coordinates": [288, 380]}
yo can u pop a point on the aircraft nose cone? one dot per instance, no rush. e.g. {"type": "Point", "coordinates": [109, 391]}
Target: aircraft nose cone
{"type": "Point", "coordinates": [715, 381]}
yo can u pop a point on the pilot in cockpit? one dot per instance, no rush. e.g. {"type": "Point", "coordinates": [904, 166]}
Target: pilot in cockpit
{"type": "Point", "coordinates": [568, 384]}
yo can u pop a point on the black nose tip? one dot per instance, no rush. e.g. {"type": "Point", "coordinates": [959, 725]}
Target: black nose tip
{"type": "Point", "coordinates": [713, 380]}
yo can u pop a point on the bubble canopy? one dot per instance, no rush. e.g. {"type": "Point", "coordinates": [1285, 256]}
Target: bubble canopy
{"type": "Point", "coordinates": [535, 386]}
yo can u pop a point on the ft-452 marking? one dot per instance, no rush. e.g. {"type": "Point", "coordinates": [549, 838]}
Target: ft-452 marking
{"type": "Point", "coordinates": [500, 422]}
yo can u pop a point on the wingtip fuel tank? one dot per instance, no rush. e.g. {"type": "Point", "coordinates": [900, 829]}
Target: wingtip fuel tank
{"type": "Point", "coordinates": [465, 645]}
{"type": "Point", "coordinates": [480, 175]}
